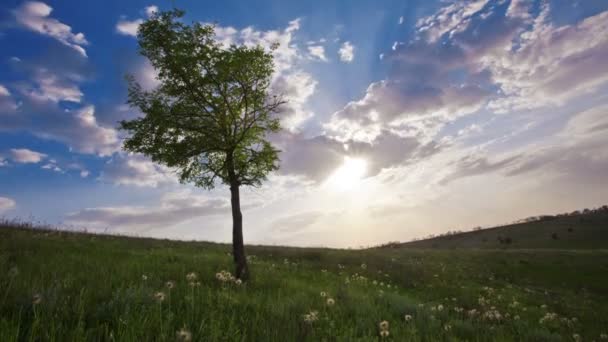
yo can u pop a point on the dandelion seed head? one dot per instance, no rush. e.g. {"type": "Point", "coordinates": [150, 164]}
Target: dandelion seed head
{"type": "Point", "coordinates": [184, 335]}
{"type": "Point", "coordinates": [383, 325]}
{"type": "Point", "coordinates": [159, 296]}
{"type": "Point", "coordinates": [330, 302]}
{"type": "Point", "coordinates": [170, 284]}
{"type": "Point", "coordinates": [36, 299]}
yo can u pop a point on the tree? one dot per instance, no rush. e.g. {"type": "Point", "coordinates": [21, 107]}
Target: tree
{"type": "Point", "coordinates": [210, 116]}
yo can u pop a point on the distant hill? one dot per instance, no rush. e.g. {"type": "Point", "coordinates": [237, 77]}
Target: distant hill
{"type": "Point", "coordinates": [579, 230]}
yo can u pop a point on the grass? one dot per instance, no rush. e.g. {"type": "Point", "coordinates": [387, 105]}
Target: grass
{"type": "Point", "coordinates": [579, 231]}
{"type": "Point", "coordinates": [59, 286]}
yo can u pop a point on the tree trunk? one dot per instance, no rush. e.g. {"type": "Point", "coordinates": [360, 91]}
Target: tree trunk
{"type": "Point", "coordinates": [238, 249]}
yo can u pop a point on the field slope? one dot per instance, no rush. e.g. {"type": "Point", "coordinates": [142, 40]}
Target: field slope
{"type": "Point", "coordinates": [582, 231]}
{"type": "Point", "coordinates": [58, 286]}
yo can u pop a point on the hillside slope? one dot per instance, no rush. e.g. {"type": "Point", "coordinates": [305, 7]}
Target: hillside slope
{"type": "Point", "coordinates": [582, 231]}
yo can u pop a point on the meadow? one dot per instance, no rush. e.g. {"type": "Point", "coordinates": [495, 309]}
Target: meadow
{"type": "Point", "coordinates": [61, 286]}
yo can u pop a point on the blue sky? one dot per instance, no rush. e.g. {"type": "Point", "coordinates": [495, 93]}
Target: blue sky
{"type": "Point", "coordinates": [484, 111]}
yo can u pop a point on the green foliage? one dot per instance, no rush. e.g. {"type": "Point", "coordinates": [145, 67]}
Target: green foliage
{"type": "Point", "coordinates": [212, 111]}
{"type": "Point", "coordinates": [109, 300]}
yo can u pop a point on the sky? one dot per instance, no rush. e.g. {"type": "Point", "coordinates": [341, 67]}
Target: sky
{"type": "Point", "coordinates": [404, 118]}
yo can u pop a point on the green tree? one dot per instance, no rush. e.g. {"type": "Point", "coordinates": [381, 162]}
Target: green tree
{"type": "Point", "coordinates": [210, 116]}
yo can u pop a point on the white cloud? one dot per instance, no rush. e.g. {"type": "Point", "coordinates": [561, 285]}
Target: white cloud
{"type": "Point", "coordinates": [550, 65]}
{"type": "Point", "coordinates": [128, 27]}
{"type": "Point", "coordinates": [347, 52]}
{"type": "Point", "coordinates": [50, 86]}
{"type": "Point", "coordinates": [35, 16]}
{"type": "Point", "coordinates": [174, 208]}
{"type": "Point", "coordinates": [136, 170]}
{"type": "Point", "coordinates": [317, 52]}
{"type": "Point", "coordinates": [150, 10]}
{"type": "Point", "coordinates": [25, 156]}
{"type": "Point", "coordinates": [6, 204]}
{"type": "Point", "coordinates": [453, 18]}
{"type": "Point", "coordinates": [4, 91]}
{"type": "Point", "coordinates": [296, 87]}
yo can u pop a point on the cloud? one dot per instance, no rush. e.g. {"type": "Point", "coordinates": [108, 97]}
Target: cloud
{"type": "Point", "coordinates": [318, 157]}
{"type": "Point", "coordinates": [550, 65]}
{"type": "Point", "coordinates": [295, 222]}
{"type": "Point", "coordinates": [317, 52]}
{"type": "Point", "coordinates": [175, 208]}
{"type": "Point", "coordinates": [136, 170]}
{"type": "Point", "coordinates": [77, 128]}
{"type": "Point", "coordinates": [25, 156]}
{"type": "Point", "coordinates": [128, 27]}
{"type": "Point", "coordinates": [577, 151]}
{"type": "Point", "coordinates": [151, 10]}
{"type": "Point", "coordinates": [3, 91]}
{"type": "Point", "coordinates": [7, 103]}
{"type": "Point", "coordinates": [450, 19]}
{"type": "Point", "coordinates": [346, 52]}
{"type": "Point", "coordinates": [50, 86]}
{"type": "Point", "coordinates": [35, 16]}
{"type": "Point", "coordinates": [296, 88]}
{"type": "Point", "coordinates": [6, 204]}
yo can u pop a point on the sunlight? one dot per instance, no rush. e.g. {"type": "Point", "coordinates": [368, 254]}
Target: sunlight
{"type": "Point", "coordinates": [348, 176]}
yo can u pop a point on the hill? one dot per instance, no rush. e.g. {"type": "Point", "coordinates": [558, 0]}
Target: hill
{"type": "Point", "coordinates": [575, 231]}
{"type": "Point", "coordinates": [61, 286]}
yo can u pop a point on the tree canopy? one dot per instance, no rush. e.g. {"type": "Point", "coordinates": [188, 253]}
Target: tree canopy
{"type": "Point", "coordinates": [212, 111]}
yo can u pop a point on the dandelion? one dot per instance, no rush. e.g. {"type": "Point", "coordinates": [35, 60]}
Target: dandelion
{"type": "Point", "coordinates": [170, 284]}
{"type": "Point", "coordinates": [159, 296]}
{"type": "Point", "coordinates": [37, 299]}
{"type": "Point", "coordinates": [383, 325]}
{"type": "Point", "coordinates": [184, 335]}
{"type": "Point", "coordinates": [323, 294]}
{"type": "Point", "coordinates": [330, 302]}
{"type": "Point", "coordinates": [13, 272]}
{"type": "Point", "coordinates": [439, 307]}
{"type": "Point", "coordinates": [364, 266]}
{"type": "Point", "coordinates": [384, 333]}
{"type": "Point", "coordinates": [447, 327]}
{"type": "Point", "coordinates": [408, 318]}
{"type": "Point", "coordinates": [144, 277]}
{"type": "Point", "coordinates": [311, 317]}
{"type": "Point", "coordinates": [577, 337]}
{"type": "Point", "coordinates": [238, 282]}
{"type": "Point", "coordinates": [191, 276]}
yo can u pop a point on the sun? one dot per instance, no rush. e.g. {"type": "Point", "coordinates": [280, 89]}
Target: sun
{"type": "Point", "coordinates": [348, 176]}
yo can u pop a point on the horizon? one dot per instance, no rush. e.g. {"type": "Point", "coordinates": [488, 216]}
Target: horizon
{"type": "Point", "coordinates": [402, 121]}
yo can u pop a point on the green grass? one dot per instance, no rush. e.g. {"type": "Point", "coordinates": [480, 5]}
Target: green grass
{"type": "Point", "coordinates": [91, 288]}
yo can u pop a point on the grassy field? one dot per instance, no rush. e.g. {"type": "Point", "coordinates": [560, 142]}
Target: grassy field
{"type": "Point", "coordinates": [58, 286]}
{"type": "Point", "coordinates": [581, 231]}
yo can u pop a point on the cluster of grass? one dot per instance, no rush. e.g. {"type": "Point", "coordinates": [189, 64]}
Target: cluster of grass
{"type": "Point", "coordinates": [57, 286]}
